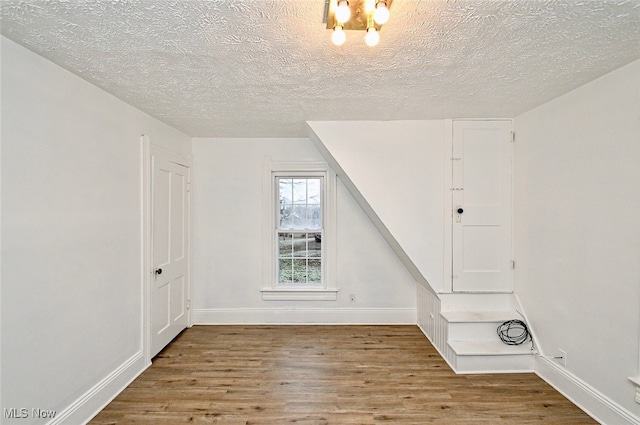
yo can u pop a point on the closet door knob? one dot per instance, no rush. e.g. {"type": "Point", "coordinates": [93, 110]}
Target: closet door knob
{"type": "Point", "coordinates": [159, 271]}
{"type": "Point", "coordinates": [460, 210]}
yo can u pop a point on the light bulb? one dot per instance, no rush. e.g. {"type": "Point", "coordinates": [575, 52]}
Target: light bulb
{"type": "Point", "coordinates": [338, 37]}
{"type": "Point", "coordinates": [343, 13]}
{"type": "Point", "coordinates": [381, 15]}
{"type": "Point", "coordinates": [372, 37]}
{"type": "Point", "coordinates": [369, 6]}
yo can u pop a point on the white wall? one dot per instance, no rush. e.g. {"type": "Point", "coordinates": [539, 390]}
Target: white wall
{"type": "Point", "coordinates": [227, 215]}
{"type": "Point", "coordinates": [577, 236]}
{"type": "Point", "coordinates": [398, 169]}
{"type": "Point", "coordinates": [71, 236]}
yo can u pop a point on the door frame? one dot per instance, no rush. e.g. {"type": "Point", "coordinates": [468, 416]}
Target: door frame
{"type": "Point", "coordinates": [148, 151]}
{"type": "Point", "coordinates": [447, 285]}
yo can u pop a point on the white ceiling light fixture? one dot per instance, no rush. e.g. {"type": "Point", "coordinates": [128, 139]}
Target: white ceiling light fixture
{"type": "Point", "coordinates": [356, 15]}
{"type": "Point", "coordinates": [343, 12]}
{"type": "Point", "coordinates": [338, 37]}
{"type": "Point", "coordinates": [373, 37]}
{"type": "Point", "coordinates": [381, 14]}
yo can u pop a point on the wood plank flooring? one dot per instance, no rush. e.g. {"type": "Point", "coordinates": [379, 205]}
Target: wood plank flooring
{"type": "Point", "coordinates": [313, 375]}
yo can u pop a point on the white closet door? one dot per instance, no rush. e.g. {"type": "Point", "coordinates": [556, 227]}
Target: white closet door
{"type": "Point", "coordinates": [482, 207]}
{"type": "Point", "coordinates": [169, 252]}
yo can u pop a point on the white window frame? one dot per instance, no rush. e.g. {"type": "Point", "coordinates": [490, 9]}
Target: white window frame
{"type": "Point", "coordinates": [271, 291]}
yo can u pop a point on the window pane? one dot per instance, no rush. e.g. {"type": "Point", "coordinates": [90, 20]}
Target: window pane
{"type": "Point", "coordinates": [286, 191]}
{"type": "Point", "coordinates": [300, 191]}
{"type": "Point", "coordinates": [285, 245]}
{"type": "Point", "coordinates": [315, 271]}
{"type": "Point", "coordinates": [300, 245]}
{"type": "Point", "coordinates": [299, 271]}
{"type": "Point", "coordinates": [286, 203]}
{"type": "Point", "coordinates": [313, 191]}
{"type": "Point", "coordinates": [286, 219]}
{"type": "Point", "coordinates": [314, 245]}
{"type": "Point", "coordinates": [313, 217]}
{"type": "Point", "coordinates": [285, 274]}
{"type": "Point", "coordinates": [299, 216]}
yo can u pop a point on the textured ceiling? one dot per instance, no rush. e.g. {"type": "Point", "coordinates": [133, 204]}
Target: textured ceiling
{"type": "Point", "coordinates": [261, 68]}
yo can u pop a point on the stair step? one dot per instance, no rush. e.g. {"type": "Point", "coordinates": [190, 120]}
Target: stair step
{"type": "Point", "coordinates": [488, 348]}
{"type": "Point", "coordinates": [477, 302]}
{"type": "Point", "coordinates": [472, 331]}
{"type": "Point", "coordinates": [479, 316]}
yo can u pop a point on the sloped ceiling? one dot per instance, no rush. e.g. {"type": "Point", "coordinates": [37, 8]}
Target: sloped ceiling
{"type": "Point", "coordinates": [261, 68]}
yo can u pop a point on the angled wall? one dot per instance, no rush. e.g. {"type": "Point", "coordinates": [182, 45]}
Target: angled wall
{"type": "Point", "coordinates": [395, 170]}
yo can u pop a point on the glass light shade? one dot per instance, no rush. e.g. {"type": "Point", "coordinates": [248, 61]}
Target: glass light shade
{"type": "Point", "coordinates": [381, 15]}
{"type": "Point", "coordinates": [343, 13]}
{"type": "Point", "coordinates": [338, 37]}
{"type": "Point", "coordinates": [372, 38]}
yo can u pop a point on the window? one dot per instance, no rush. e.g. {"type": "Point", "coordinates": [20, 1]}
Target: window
{"type": "Point", "coordinates": [300, 236]}
{"type": "Point", "coordinates": [299, 228]}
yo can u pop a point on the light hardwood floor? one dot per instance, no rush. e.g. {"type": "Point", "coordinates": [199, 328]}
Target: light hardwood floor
{"type": "Point", "coordinates": [314, 375]}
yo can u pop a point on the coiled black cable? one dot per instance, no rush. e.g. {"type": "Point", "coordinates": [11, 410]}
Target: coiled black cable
{"type": "Point", "coordinates": [514, 332]}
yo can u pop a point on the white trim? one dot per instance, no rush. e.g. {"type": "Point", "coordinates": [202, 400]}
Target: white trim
{"type": "Point", "coordinates": [438, 349]}
{"type": "Point", "coordinates": [636, 379]}
{"type": "Point", "coordinates": [190, 246]}
{"type": "Point", "coordinates": [447, 284]}
{"type": "Point", "coordinates": [268, 248]}
{"type": "Point", "coordinates": [97, 397]}
{"type": "Point", "coordinates": [299, 294]}
{"type": "Point", "coordinates": [636, 382]}
{"type": "Point", "coordinates": [517, 306]}
{"type": "Point", "coordinates": [1, 392]}
{"type": "Point", "coordinates": [170, 155]}
{"type": "Point", "coordinates": [146, 246]}
{"type": "Point", "coordinates": [294, 315]}
{"type": "Point", "coordinates": [270, 291]}
{"type": "Point", "coordinates": [587, 398]}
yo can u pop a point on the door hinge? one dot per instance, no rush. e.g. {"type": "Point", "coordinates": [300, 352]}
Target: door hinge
{"type": "Point", "coordinates": [189, 187]}
{"type": "Point", "coordinates": [456, 188]}
{"type": "Point", "coordinates": [188, 304]}
{"type": "Point", "coordinates": [513, 137]}
{"type": "Point", "coordinates": [513, 264]}
{"type": "Point", "coordinates": [456, 159]}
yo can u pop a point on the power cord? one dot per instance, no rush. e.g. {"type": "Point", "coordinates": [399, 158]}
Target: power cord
{"type": "Point", "coordinates": [514, 332]}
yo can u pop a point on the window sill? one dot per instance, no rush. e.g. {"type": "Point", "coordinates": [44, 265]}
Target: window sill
{"type": "Point", "coordinates": [299, 294]}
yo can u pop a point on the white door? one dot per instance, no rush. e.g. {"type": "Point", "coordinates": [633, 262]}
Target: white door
{"type": "Point", "coordinates": [169, 221]}
{"type": "Point", "coordinates": [482, 153]}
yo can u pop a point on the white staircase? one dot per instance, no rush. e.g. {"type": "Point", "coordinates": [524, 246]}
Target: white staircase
{"type": "Point", "coordinates": [464, 330]}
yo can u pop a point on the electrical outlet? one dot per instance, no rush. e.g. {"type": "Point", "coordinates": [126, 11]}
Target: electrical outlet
{"type": "Point", "coordinates": [562, 357]}
{"type": "Point", "coordinates": [352, 298]}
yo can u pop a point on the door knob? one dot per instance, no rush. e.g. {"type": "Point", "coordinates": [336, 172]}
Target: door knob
{"type": "Point", "coordinates": [159, 271]}
{"type": "Point", "coordinates": [460, 210]}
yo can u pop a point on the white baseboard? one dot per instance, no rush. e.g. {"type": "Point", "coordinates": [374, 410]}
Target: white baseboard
{"type": "Point", "coordinates": [446, 355]}
{"type": "Point", "coordinates": [316, 316]}
{"type": "Point", "coordinates": [593, 402]}
{"type": "Point", "coordinates": [96, 398]}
